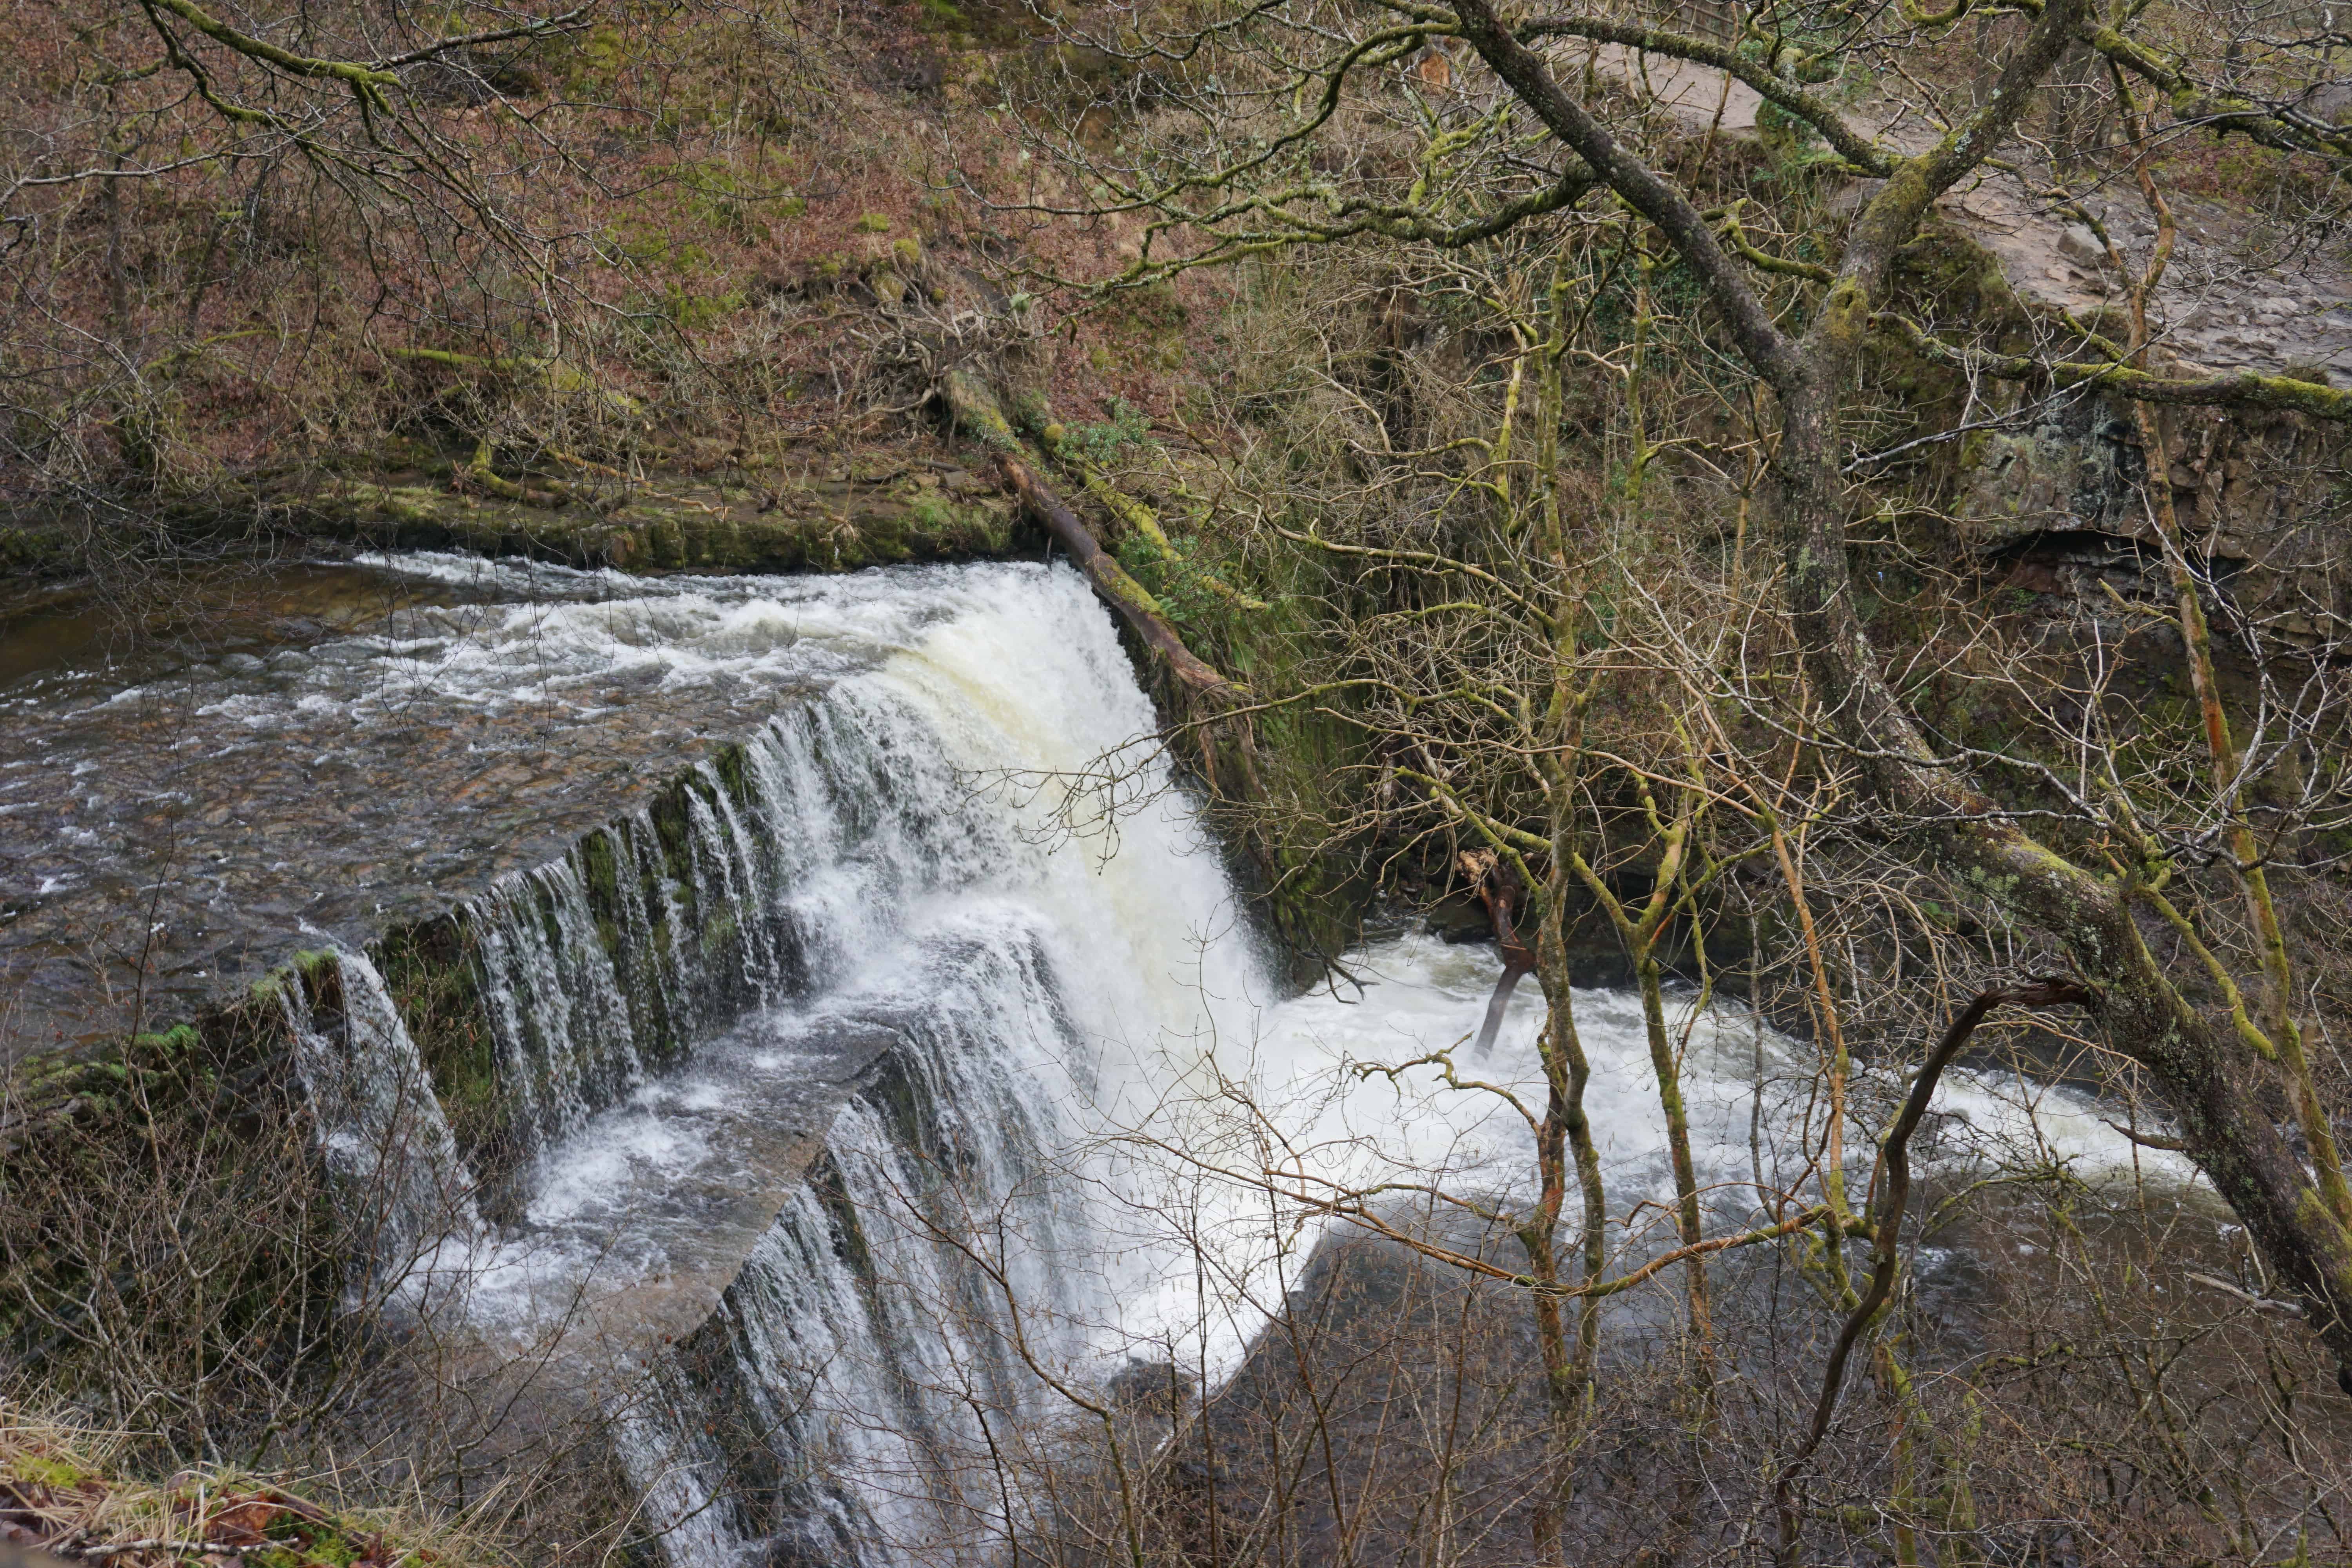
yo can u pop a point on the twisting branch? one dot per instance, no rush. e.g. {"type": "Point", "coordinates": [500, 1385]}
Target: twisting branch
{"type": "Point", "coordinates": [2243, 388]}
{"type": "Point", "coordinates": [1811, 108]}
{"type": "Point", "coordinates": [1895, 1196]}
{"type": "Point", "coordinates": [366, 82]}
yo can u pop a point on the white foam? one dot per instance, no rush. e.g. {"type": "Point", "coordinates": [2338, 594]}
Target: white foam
{"type": "Point", "coordinates": [1303, 1110]}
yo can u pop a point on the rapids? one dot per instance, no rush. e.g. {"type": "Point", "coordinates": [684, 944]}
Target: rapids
{"type": "Point", "coordinates": [331, 746]}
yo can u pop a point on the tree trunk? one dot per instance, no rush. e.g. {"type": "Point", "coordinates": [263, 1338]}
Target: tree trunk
{"type": "Point", "coordinates": [975, 411]}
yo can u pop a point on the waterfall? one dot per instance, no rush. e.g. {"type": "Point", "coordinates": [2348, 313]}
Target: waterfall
{"type": "Point", "coordinates": [890, 956]}
{"type": "Point", "coordinates": [881, 1325]}
{"type": "Point", "coordinates": [400, 1184]}
{"type": "Point", "coordinates": [565, 1041]}
{"type": "Point", "coordinates": [841, 1040]}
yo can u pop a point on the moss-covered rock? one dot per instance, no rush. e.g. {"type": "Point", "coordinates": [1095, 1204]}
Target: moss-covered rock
{"type": "Point", "coordinates": [826, 526]}
{"type": "Point", "coordinates": [191, 1140]}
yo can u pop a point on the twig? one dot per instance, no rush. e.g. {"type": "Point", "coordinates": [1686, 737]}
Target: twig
{"type": "Point", "coordinates": [2266, 1303]}
{"type": "Point", "coordinates": [189, 1548]}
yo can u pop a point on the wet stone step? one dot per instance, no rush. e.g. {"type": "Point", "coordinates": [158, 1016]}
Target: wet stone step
{"type": "Point", "coordinates": [306, 755]}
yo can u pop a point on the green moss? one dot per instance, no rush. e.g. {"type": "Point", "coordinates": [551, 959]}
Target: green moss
{"type": "Point", "coordinates": [691, 311]}
{"type": "Point", "coordinates": [177, 1040]}
{"type": "Point", "coordinates": [601, 53]}
{"type": "Point", "coordinates": [1289, 779]}
{"type": "Point", "coordinates": [602, 876]}
{"type": "Point", "coordinates": [731, 763]}
{"type": "Point", "coordinates": [47, 1471]}
{"type": "Point", "coordinates": [675, 835]}
{"type": "Point", "coordinates": [597, 866]}
{"type": "Point", "coordinates": [1126, 426]}
{"type": "Point", "coordinates": [719, 932]}
{"type": "Point", "coordinates": [330, 1546]}
{"type": "Point", "coordinates": [932, 511]}
{"type": "Point", "coordinates": [431, 970]}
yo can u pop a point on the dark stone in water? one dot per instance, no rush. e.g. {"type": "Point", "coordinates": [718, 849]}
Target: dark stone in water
{"type": "Point", "coordinates": [1154, 1388]}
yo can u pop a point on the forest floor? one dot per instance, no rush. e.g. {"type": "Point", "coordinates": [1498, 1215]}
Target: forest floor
{"type": "Point", "coordinates": [66, 1492]}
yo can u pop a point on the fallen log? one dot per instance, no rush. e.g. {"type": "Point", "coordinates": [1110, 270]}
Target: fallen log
{"type": "Point", "coordinates": [1135, 515]}
{"type": "Point", "coordinates": [1110, 579]}
{"type": "Point", "coordinates": [975, 411]}
{"type": "Point", "coordinates": [1497, 888]}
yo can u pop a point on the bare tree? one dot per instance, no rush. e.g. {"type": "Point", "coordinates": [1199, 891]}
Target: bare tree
{"type": "Point", "coordinates": [1275, 153]}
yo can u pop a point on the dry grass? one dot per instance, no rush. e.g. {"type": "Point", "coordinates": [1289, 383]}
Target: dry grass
{"type": "Point", "coordinates": [63, 1489]}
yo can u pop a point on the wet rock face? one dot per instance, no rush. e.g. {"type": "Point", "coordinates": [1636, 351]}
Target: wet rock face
{"type": "Point", "coordinates": [2078, 468]}
{"type": "Point", "coordinates": [2055, 480]}
{"type": "Point", "coordinates": [2259, 497]}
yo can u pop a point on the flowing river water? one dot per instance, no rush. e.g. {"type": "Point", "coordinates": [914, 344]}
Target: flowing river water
{"type": "Point", "coordinates": [984, 1069]}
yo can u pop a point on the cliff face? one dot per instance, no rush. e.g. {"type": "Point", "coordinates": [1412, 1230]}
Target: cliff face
{"type": "Point", "coordinates": [2261, 495]}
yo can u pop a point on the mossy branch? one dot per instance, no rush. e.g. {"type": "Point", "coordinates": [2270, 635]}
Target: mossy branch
{"type": "Point", "coordinates": [2241, 389]}
{"type": "Point", "coordinates": [477, 364]}
{"type": "Point", "coordinates": [975, 411]}
{"type": "Point", "coordinates": [1747, 251]}
{"type": "Point", "coordinates": [478, 475]}
{"type": "Point", "coordinates": [366, 82]}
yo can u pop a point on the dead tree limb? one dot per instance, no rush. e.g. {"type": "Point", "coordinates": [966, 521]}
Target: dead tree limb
{"type": "Point", "coordinates": [975, 411]}
{"type": "Point", "coordinates": [1497, 888]}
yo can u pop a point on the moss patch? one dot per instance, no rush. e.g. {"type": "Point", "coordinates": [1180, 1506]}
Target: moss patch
{"type": "Point", "coordinates": [883, 510]}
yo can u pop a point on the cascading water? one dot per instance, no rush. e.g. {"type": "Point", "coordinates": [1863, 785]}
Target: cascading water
{"type": "Point", "coordinates": [849, 1064]}
{"type": "Point", "coordinates": [399, 1180]}
{"type": "Point", "coordinates": [907, 859]}
{"type": "Point", "coordinates": [564, 1038]}
{"type": "Point", "coordinates": [887, 942]}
